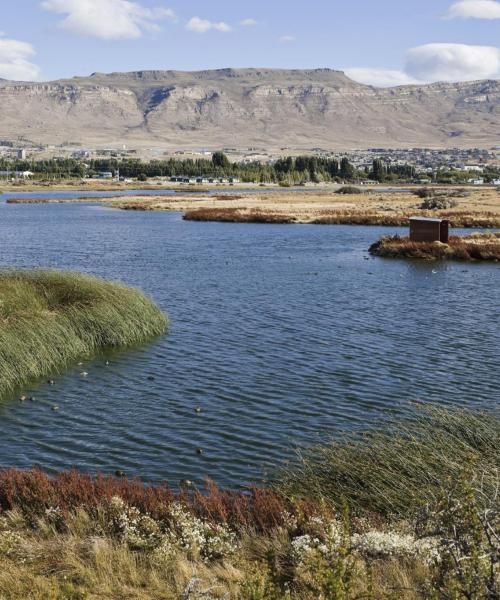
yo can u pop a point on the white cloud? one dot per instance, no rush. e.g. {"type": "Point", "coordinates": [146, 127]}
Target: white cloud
{"type": "Point", "coordinates": [435, 62]}
{"type": "Point", "coordinates": [15, 61]}
{"type": "Point", "coordinates": [202, 26]}
{"type": "Point", "coordinates": [287, 39]}
{"type": "Point", "coordinates": [474, 9]}
{"type": "Point", "coordinates": [249, 23]}
{"type": "Point", "coordinates": [379, 77]}
{"type": "Point", "coordinates": [452, 62]}
{"type": "Point", "coordinates": [107, 19]}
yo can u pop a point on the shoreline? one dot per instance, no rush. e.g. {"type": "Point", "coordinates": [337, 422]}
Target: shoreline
{"type": "Point", "coordinates": [385, 510]}
{"type": "Point", "coordinates": [464, 208]}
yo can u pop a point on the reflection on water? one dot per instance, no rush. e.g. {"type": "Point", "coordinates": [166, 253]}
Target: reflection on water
{"type": "Point", "coordinates": [280, 334]}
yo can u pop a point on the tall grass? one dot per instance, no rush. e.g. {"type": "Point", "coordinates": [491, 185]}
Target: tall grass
{"type": "Point", "coordinates": [49, 319]}
{"type": "Point", "coordinates": [474, 247]}
{"type": "Point", "coordinates": [336, 216]}
{"type": "Point", "coordinates": [397, 468]}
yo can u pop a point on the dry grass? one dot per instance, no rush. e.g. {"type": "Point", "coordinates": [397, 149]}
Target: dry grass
{"type": "Point", "coordinates": [469, 248]}
{"type": "Point", "coordinates": [478, 208]}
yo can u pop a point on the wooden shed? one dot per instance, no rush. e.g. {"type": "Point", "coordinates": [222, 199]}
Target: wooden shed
{"type": "Point", "coordinates": [429, 230]}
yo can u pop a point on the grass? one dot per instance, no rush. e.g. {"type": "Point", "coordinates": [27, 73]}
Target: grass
{"type": "Point", "coordinates": [50, 319]}
{"type": "Point", "coordinates": [397, 468]}
{"type": "Point", "coordinates": [474, 247]}
{"type": "Point", "coordinates": [355, 216]}
{"type": "Point", "coordinates": [236, 215]}
{"type": "Point", "coordinates": [75, 537]}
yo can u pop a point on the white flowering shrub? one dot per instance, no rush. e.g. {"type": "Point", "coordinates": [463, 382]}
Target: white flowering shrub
{"type": "Point", "coordinates": [381, 544]}
{"type": "Point", "coordinates": [325, 539]}
{"type": "Point", "coordinates": [10, 543]}
{"type": "Point", "coordinates": [184, 532]}
{"type": "Point", "coordinates": [200, 538]}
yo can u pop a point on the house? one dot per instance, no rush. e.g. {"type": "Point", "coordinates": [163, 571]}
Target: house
{"type": "Point", "coordinates": [496, 182]}
{"type": "Point", "coordinates": [105, 175]}
{"type": "Point", "coordinates": [17, 174]}
{"type": "Point", "coordinates": [429, 230]}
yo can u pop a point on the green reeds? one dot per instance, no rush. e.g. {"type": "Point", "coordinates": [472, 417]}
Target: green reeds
{"type": "Point", "coordinates": [397, 468]}
{"type": "Point", "coordinates": [49, 319]}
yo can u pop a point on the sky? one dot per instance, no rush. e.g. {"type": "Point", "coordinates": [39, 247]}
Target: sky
{"type": "Point", "coordinates": [383, 42]}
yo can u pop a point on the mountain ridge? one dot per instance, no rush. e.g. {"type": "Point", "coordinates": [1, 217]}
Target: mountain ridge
{"type": "Point", "coordinates": [270, 108]}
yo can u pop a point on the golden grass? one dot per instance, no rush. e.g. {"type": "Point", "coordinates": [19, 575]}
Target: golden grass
{"type": "Point", "coordinates": [474, 247]}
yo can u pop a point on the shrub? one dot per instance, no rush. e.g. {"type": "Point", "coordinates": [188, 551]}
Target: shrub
{"type": "Point", "coordinates": [438, 203]}
{"type": "Point", "coordinates": [349, 189]}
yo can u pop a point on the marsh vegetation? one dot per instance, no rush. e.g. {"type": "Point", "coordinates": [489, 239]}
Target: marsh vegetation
{"type": "Point", "coordinates": [50, 319]}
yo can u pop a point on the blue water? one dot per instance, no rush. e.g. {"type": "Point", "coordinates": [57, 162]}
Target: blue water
{"type": "Point", "coordinates": [281, 334]}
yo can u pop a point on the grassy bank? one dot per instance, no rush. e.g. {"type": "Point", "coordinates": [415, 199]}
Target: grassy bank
{"type": "Point", "coordinates": [49, 319]}
{"type": "Point", "coordinates": [474, 247]}
{"type": "Point", "coordinates": [353, 216]}
{"type": "Point", "coordinates": [75, 537]}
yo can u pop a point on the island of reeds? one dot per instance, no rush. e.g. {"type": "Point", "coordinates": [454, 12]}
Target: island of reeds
{"type": "Point", "coordinates": [485, 246]}
{"type": "Point", "coordinates": [407, 511]}
{"type": "Point", "coordinates": [50, 319]}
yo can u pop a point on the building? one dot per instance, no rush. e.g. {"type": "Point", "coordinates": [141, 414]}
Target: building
{"type": "Point", "coordinates": [429, 230]}
{"type": "Point", "coordinates": [16, 174]}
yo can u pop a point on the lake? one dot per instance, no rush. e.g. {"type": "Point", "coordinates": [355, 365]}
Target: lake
{"type": "Point", "coordinates": [282, 335]}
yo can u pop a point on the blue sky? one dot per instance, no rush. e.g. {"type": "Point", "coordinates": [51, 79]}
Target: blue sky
{"type": "Point", "coordinates": [381, 43]}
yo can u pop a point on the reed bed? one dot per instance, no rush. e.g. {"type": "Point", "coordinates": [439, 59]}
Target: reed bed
{"type": "Point", "coordinates": [237, 215]}
{"type": "Point", "coordinates": [350, 216]}
{"type": "Point", "coordinates": [467, 248]}
{"type": "Point", "coordinates": [50, 319]}
{"type": "Point", "coordinates": [397, 468]}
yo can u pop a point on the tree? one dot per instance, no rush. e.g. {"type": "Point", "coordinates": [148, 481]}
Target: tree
{"type": "Point", "coordinates": [219, 159]}
{"type": "Point", "coordinates": [379, 171]}
{"type": "Point", "coordinates": [346, 169]}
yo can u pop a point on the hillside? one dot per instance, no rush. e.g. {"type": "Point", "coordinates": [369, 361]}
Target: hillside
{"type": "Point", "coordinates": [249, 107]}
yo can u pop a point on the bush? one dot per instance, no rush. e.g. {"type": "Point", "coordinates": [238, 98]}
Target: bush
{"type": "Point", "coordinates": [438, 203]}
{"type": "Point", "coordinates": [349, 189]}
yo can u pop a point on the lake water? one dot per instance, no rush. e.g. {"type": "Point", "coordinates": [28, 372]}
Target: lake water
{"type": "Point", "coordinates": [283, 335]}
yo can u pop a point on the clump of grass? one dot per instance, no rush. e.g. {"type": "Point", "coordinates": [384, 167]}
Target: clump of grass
{"type": "Point", "coordinates": [236, 215]}
{"type": "Point", "coordinates": [49, 319]}
{"type": "Point", "coordinates": [474, 247]}
{"type": "Point", "coordinates": [398, 468]}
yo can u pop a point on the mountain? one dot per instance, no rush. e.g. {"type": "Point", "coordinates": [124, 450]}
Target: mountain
{"type": "Point", "coordinates": [248, 107]}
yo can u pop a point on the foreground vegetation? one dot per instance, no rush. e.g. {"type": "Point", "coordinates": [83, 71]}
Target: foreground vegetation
{"type": "Point", "coordinates": [408, 513]}
{"type": "Point", "coordinates": [49, 319]}
{"type": "Point", "coordinates": [484, 246]}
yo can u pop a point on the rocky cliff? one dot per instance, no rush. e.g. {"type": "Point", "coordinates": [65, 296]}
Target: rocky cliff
{"type": "Point", "coordinates": [249, 107]}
